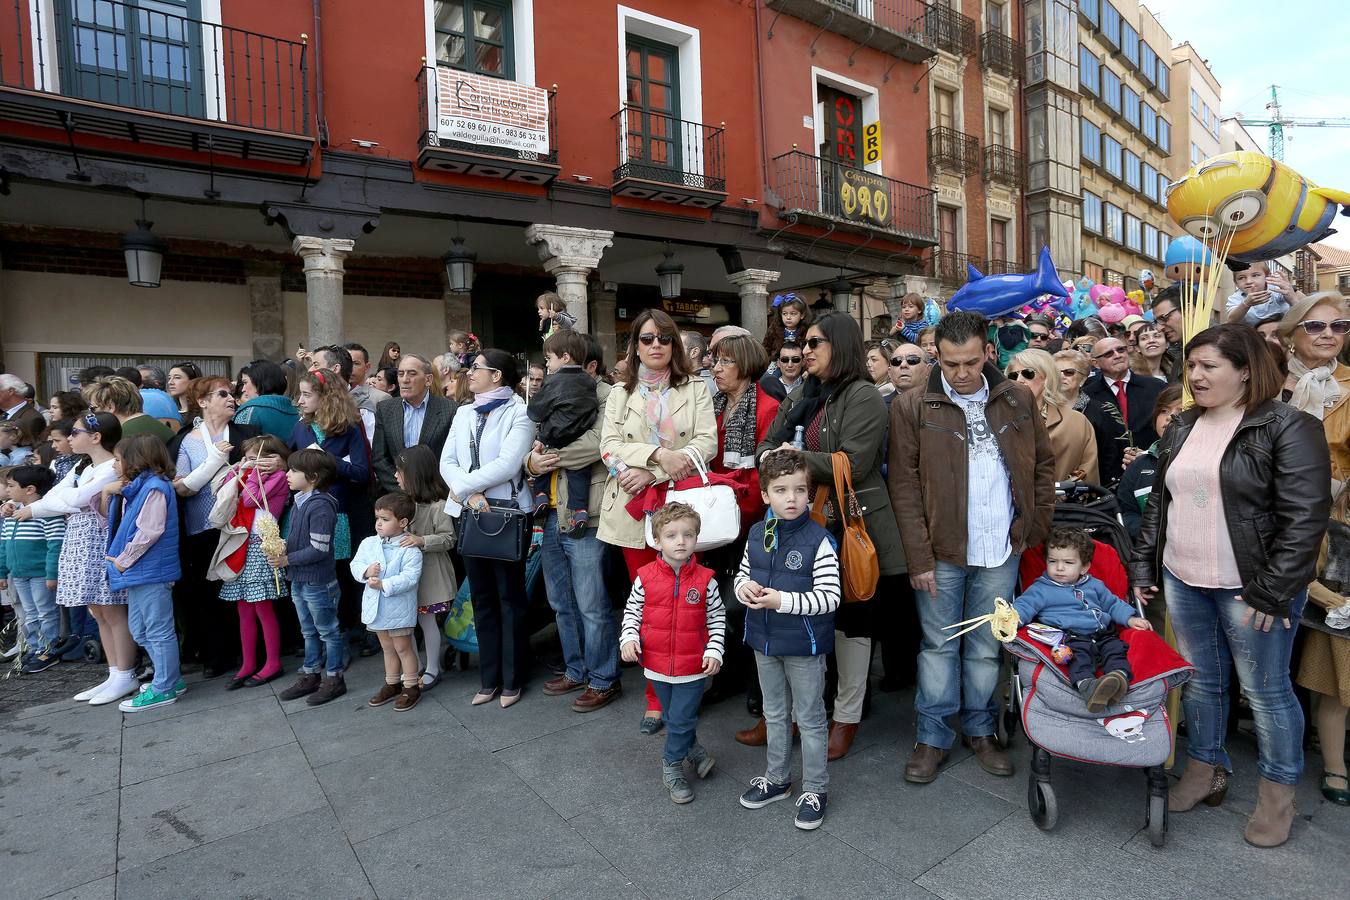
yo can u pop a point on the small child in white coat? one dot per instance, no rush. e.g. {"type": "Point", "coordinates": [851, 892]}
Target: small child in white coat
{"type": "Point", "coordinates": [389, 604]}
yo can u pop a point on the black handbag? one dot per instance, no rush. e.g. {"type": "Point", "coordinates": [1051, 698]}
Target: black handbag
{"type": "Point", "coordinates": [502, 531]}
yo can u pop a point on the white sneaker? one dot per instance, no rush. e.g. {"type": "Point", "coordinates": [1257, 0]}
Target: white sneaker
{"type": "Point", "coordinates": [94, 691]}
{"type": "Point", "coordinates": [120, 686]}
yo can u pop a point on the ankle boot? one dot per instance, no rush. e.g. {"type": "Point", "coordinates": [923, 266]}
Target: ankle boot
{"type": "Point", "coordinates": [1270, 823]}
{"type": "Point", "coordinates": [1200, 782]}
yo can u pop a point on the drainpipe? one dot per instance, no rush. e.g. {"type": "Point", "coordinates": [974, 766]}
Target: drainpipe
{"type": "Point", "coordinates": [318, 75]}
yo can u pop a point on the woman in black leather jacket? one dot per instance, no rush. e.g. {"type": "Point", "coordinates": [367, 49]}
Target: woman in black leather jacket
{"type": "Point", "coordinates": [1231, 532]}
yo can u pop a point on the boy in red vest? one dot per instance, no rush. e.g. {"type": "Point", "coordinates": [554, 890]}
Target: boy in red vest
{"type": "Point", "coordinates": [675, 623]}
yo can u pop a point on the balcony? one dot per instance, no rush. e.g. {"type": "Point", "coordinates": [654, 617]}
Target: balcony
{"type": "Point", "coordinates": [486, 127]}
{"type": "Point", "coordinates": [949, 30]}
{"type": "Point", "coordinates": [953, 151]}
{"type": "Point", "coordinates": [999, 267]}
{"type": "Point", "coordinates": [668, 160]}
{"type": "Point", "coordinates": [1000, 53]}
{"type": "Point", "coordinates": [1006, 165]}
{"type": "Point", "coordinates": [826, 193]}
{"type": "Point", "coordinates": [110, 69]}
{"type": "Point", "coordinates": [895, 27]}
{"type": "Point", "coordinates": [949, 267]}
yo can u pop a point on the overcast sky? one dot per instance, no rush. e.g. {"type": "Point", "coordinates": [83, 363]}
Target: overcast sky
{"type": "Point", "coordinates": [1299, 45]}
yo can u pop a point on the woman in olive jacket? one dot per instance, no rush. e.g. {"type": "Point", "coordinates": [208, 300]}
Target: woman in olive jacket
{"type": "Point", "coordinates": [1231, 532]}
{"type": "Point", "coordinates": [839, 408]}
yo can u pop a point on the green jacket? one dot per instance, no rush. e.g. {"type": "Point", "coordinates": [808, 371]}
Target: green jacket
{"type": "Point", "coordinates": [855, 422]}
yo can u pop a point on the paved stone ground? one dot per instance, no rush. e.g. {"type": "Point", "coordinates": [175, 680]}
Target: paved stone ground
{"type": "Point", "coordinates": [236, 794]}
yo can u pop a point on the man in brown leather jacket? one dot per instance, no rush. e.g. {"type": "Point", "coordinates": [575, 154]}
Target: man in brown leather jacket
{"type": "Point", "coordinates": [972, 483]}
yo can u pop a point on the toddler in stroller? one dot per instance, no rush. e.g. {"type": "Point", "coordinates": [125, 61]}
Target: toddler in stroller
{"type": "Point", "coordinates": [1081, 614]}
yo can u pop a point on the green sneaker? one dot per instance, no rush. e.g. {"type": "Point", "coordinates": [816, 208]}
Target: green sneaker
{"type": "Point", "coordinates": [180, 687]}
{"type": "Point", "coordinates": [148, 698]}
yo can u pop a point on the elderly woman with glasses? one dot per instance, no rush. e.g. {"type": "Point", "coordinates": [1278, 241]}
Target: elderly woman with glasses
{"type": "Point", "coordinates": [1073, 368]}
{"type": "Point", "coordinates": [1071, 434]}
{"type": "Point", "coordinates": [658, 414]}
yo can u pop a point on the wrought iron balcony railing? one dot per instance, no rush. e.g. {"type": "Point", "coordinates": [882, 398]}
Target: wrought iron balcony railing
{"type": "Point", "coordinates": [953, 150]}
{"type": "Point", "coordinates": [1000, 53]}
{"type": "Point", "coordinates": [949, 30]}
{"type": "Point", "coordinates": [657, 147]}
{"type": "Point", "coordinates": [949, 267]}
{"type": "Point", "coordinates": [1005, 164]}
{"type": "Point", "coordinates": [807, 186]}
{"type": "Point", "coordinates": [139, 57]}
{"type": "Point", "coordinates": [896, 27]}
{"type": "Point", "coordinates": [999, 267]}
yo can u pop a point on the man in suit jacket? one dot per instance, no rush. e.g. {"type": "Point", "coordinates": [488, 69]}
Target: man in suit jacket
{"type": "Point", "coordinates": [15, 405]}
{"type": "Point", "coordinates": [416, 416]}
{"type": "Point", "coordinates": [1120, 407]}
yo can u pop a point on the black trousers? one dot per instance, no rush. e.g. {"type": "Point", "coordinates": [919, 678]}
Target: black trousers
{"type": "Point", "coordinates": [1100, 650]}
{"type": "Point", "coordinates": [500, 605]}
{"type": "Point", "coordinates": [209, 626]}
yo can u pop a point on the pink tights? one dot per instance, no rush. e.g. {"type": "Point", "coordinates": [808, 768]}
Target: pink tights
{"type": "Point", "coordinates": [259, 612]}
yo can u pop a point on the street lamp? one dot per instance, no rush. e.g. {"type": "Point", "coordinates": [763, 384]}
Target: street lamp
{"type": "Point", "coordinates": [459, 266]}
{"type": "Point", "coordinates": [841, 293]}
{"type": "Point", "coordinates": [670, 273]}
{"type": "Point", "coordinates": [144, 252]}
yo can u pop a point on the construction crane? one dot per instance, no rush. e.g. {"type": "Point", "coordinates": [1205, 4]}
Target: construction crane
{"type": "Point", "coordinates": [1278, 122]}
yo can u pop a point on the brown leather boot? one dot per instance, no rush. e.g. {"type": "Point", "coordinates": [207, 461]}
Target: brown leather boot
{"type": "Point", "coordinates": [1200, 782]}
{"type": "Point", "coordinates": [841, 738]}
{"type": "Point", "coordinates": [1270, 823]}
{"type": "Point", "coordinates": [924, 762]}
{"type": "Point", "coordinates": [756, 735]}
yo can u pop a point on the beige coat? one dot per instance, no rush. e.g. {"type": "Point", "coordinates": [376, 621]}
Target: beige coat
{"type": "Point", "coordinates": [1073, 442]}
{"type": "Point", "coordinates": [623, 435]}
{"type": "Point", "coordinates": [585, 450]}
{"type": "Point", "coordinates": [432, 525]}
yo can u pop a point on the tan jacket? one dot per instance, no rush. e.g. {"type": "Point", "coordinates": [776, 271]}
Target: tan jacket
{"type": "Point", "coordinates": [585, 450]}
{"type": "Point", "coordinates": [623, 435]}
{"type": "Point", "coordinates": [1336, 424]}
{"type": "Point", "coordinates": [437, 583]}
{"type": "Point", "coordinates": [1074, 444]}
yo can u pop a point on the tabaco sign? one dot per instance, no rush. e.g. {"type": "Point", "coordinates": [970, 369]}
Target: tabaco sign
{"type": "Point", "coordinates": [863, 196]}
{"type": "Point", "coordinates": [684, 307]}
{"type": "Point", "coordinates": [475, 109]}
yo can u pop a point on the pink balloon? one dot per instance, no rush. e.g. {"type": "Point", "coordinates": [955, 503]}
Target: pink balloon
{"type": "Point", "coordinates": [1111, 313]}
{"type": "Point", "coordinates": [1103, 294]}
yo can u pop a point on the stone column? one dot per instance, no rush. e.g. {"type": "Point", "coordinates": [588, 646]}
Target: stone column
{"type": "Point", "coordinates": [604, 325]}
{"type": "Point", "coordinates": [753, 286]}
{"type": "Point", "coordinates": [266, 313]}
{"type": "Point", "coordinates": [324, 259]}
{"type": "Point", "coordinates": [569, 254]}
{"type": "Point", "coordinates": [458, 311]}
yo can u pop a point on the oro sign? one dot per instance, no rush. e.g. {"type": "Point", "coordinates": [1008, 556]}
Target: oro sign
{"type": "Point", "coordinates": [475, 109]}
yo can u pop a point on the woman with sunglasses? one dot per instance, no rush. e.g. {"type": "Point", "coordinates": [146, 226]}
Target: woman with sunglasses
{"type": "Point", "coordinates": [659, 410]}
{"type": "Point", "coordinates": [209, 625]}
{"type": "Point", "coordinates": [1074, 369]}
{"type": "Point", "coordinates": [1231, 530]}
{"type": "Point", "coordinates": [839, 409]}
{"type": "Point", "coordinates": [1071, 435]}
{"type": "Point", "coordinates": [483, 460]}
{"type": "Point", "coordinates": [1315, 330]}
{"type": "Point", "coordinates": [84, 575]}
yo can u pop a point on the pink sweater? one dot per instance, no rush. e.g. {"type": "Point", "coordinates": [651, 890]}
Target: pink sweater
{"type": "Point", "coordinates": [1199, 550]}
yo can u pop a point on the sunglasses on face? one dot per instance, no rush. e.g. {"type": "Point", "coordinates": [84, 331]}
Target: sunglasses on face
{"type": "Point", "coordinates": [789, 360]}
{"type": "Point", "coordinates": [1114, 351]}
{"type": "Point", "coordinates": [813, 343]}
{"type": "Point", "coordinates": [1316, 326]}
{"type": "Point", "coordinates": [479, 367]}
{"type": "Point", "coordinates": [1040, 336]}
{"type": "Point", "coordinates": [221, 393]}
{"type": "Point", "coordinates": [1022, 374]}
{"type": "Point", "coordinates": [1069, 373]}
{"type": "Point", "coordinates": [82, 431]}
{"type": "Point", "coordinates": [648, 339]}
{"type": "Point", "coordinates": [907, 360]}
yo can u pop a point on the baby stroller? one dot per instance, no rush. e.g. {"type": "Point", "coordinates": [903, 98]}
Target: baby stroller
{"type": "Point", "coordinates": [1134, 733]}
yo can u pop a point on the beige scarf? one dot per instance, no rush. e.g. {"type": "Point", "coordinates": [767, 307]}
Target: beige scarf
{"type": "Point", "coordinates": [1317, 389]}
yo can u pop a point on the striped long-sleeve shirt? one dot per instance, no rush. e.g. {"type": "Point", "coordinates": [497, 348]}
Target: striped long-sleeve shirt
{"type": "Point", "coordinates": [31, 549]}
{"type": "Point", "coordinates": [630, 630]}
{"type": "Point", "coordinates": [825, 594]}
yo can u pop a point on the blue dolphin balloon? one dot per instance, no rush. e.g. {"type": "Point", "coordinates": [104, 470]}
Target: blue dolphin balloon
{"type": "Point", "coordinates": [997, 295]}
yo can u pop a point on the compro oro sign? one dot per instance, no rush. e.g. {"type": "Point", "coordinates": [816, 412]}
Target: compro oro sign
{"type": "Point", "coordinates": [863, 196]}
{"type": "Point", "coordinates": [493, 112]}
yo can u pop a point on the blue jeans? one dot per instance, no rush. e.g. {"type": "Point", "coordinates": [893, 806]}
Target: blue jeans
{"type": "Point", "coordinates": [150, 618]}
{"type": "Point", "coordinates": [574, 576]}
{"type": "Point", "coordinates": [42, 618]}
{"type": "Point", "coordinates": [796, 682]}
{"type": "Point", "coordinates": [960, 676]}
{"type": "Point", "coordinates": [1211, 634]}
{"type": "Point", "coordinates": [679, 703]}
{"type": "Point", "coordinates": [316, 606]}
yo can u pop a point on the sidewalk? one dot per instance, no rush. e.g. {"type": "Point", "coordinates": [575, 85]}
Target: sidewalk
{"type": "Point", "coordinates": [236, 794]}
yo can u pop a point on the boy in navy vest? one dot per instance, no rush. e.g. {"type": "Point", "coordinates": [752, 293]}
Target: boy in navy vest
{"type": "Point", "coordinates": [789, 581]}
{"type": "Point", "coordinates": [676, 623]}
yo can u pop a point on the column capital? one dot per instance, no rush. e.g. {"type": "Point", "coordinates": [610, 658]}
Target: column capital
{"type": "Point", "coordinates": [562, 247]}
{"type": "Point", "coordinates": [322, 254]}
{"type": "Point", "coordinates": [761, 277]}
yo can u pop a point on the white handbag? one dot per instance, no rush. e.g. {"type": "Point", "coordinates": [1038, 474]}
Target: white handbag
{"type": "Point", "coordinates": [719, 515]}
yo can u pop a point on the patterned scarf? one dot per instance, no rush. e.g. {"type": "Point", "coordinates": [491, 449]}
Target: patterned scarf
{"type": "Point", "coordinates": [738, 450]}
{"type": "Point", "coordinates": [654, 387]}
{"type": "Point", "coordinates": [1317, 389]}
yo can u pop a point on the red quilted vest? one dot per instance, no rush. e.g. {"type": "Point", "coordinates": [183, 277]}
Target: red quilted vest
{"type": "Point", "coordinates": [674, 617]}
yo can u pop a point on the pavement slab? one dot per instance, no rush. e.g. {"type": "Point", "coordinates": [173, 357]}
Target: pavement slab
{"type": "Point", "coordinates": [55, 847]}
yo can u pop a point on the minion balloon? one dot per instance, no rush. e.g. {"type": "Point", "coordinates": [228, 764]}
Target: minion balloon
{"type": "Point", "coordinates": [1271, 209]}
